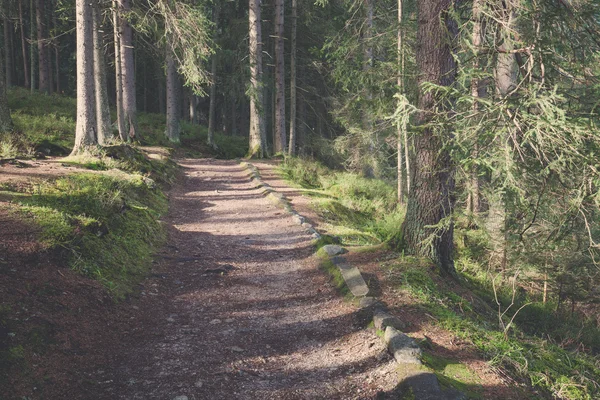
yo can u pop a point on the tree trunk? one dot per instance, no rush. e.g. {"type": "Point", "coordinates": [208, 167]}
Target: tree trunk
{"type": "Point", "coordinates": [118, 78]}
{"type": "Point", "coordinates": [8, 46]}
{"type": "Point", "coordinates": [44, 73]}
{"type": "Point", "coordinates": [401, 124]}
{"type": "Point", "coordinates": [103, 125]}
{"type": "Point", "coordinates": [32, 54]}
{"type": "Point", "coordinates": [257, 123]}
{"type": "Point", "coordinates": [428, 228]}
{"type": "Point", "coordinates": [474, 203]}
{"type": "Point", "coordinates": [6, 124]}
{"type": "Point", "coordinates": [292, 144]}
{"type": "Point", "coordinates": [85, 133]}
{"type": "Point", "coordinates": [127, 71]}
{"type": "Point", "coordinates": [173, 127]}
{"type": "Point", "coordinates": [193, 108]}
{"type": "Point", "coordinates": [280, 139]}
{"type": "Point", "coordinates": [56, 55]}
{"type": "Point", "coordinates": [24, 46]}
{"type": "Point", "coordinates": [505, 80]}
{"type": "Point", "coordinates": [213, 86]}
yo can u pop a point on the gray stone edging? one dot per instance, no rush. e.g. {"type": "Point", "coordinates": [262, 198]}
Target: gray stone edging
{"type": "Point", "coordinates": [279, 200]}
{"type": "Point", "coordinates": [423, 384]}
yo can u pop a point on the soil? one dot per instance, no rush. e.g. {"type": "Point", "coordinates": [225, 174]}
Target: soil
{"type": "Point", "coordinates": [234, 308]}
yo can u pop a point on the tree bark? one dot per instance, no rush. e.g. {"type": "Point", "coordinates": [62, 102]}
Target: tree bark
{"type": "Point", "coordinates": [103, 125]}
{"type": "Point", "coordinates": [6, 123]}
{"type": "Point", "coordinates": [428, 227]}
{"type": "Point", "coordinates": [173, 100]}
{"type": "Point", "coordinates": [24, 45]}
{"type": "Point", "coordinates": [292, 143]}
{"type": "Point", "coordinates": [280, 139]}
{"type": "Point", "coordinates": [8, 46]}
{"type": "Point", "coordinates": [55, 44]}
{"type": "Point", "coordinates": [85, 133]}
{"type": "Point", "coordinates": [257, 124]}
{"type": "Point", "coordinates": [401, 124]}
{"type": "Point", "coordinates": [32, 54]}
{"type": "Point", "coordinates": [213, 85]}
{"type": "Point", "coordinates": [127, 71]}
{"type": "Point", "coordinates": [44, 73]}
{"type": "Point", "coordinates": [118, 78]}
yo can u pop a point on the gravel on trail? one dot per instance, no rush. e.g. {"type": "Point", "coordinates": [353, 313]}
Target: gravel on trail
{"type": "Point", "coordinates": [236, 308]}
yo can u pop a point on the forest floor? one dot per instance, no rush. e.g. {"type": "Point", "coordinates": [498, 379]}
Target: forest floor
{"type": "Point", "coordinates": [235, 307]}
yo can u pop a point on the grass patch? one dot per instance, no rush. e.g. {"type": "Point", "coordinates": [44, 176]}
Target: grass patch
{"type": "Point", "coordinates": [332, 270]}
{"type": "Point", "coordinates": [560, 372]}
{"type": "Point", "coordinates": [452, 373]}
{"type": "Point", "coordinates": [106, 225]}
{"type": "Point", "coordinates": [360, 211]}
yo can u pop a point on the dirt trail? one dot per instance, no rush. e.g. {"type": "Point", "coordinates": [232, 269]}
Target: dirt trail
{"type": "Point", "coordinates": [236, 308]}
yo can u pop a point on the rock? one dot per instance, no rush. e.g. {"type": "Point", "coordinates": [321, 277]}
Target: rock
{"type": "Point", "coordinates": [371, 302]}
{"type": "Point", "coordinates": [236, 349]}
{"type": "Point", "coordinates": [403, 348]}
{"type": "Point", "coordinates": [352, 277]}
{"type": "Point", "coordinates": [306, 225]}
{"type": "Point", "coordinates": [180, 398]}
{"type": "Point", "coordinates": [334, 250]}
{"type": "Point", "coordinates": [198, 384]}
{"type": "Point", "coordinates": [228, 320]}
{"type": "Point", "coordinates": [382, 320]}
{"type": "Point", "coordinates": [215, 322]}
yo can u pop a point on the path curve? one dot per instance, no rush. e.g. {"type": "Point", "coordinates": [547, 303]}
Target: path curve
{"type": "Point", "coordinates": [236, 308]}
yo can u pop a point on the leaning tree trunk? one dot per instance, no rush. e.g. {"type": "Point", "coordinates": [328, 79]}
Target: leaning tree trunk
{"type": "Point", "coordinates": [23, 45]}
{"type": "Point", "coordinates": [293, 133]}
{"type": "Point", "coordinates": [428, 228]}
{"type": "Point", "coordinates": [103, 125]}
{"type": "Point", "coordinates": [173, 100]}
{"type": "Point", "coordinates": [118, 78]}
{"type": "Point", "coordinates": [85, 131]}
{"type": "Point", "coordinates": [280, 140]}
{"type": "Point", "coordinates": [258, 136]}
{"type": "Point", "coordinates": [127, 71]}
{"type": "Point", "coordinates": [213, 86]}
{"type": "Point", "coordinates": [44, 73]}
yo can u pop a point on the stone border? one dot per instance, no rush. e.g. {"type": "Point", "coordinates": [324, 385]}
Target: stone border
{"type": "Point", "coordinates": [416, 378]}
{"type": "Point", "coordinates": [279, 200]}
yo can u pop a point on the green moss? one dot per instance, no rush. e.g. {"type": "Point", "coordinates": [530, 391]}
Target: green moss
{"type": "Point", "coordinates": [452, 373]}
{"type": "Point", "coordinates": [326, 265]}
{"type": "Point", "coordinates": [107, 225]}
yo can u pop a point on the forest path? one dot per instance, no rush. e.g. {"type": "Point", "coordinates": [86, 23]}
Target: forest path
{"type": "Point", "coordinates": [236, 308]}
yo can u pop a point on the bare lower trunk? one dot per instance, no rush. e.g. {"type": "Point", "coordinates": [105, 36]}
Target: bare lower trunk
{"type": "Point", "coordinates": [6, 124]}
{"type": "Point", "coordinates": [292, 144]}
{"type": "Point", "coordinates": [173, 127]}
{"type": "Point", "coordinates": [506, 80]}
{"type": "Point", "coordinates": [280, 140]}
{"type": "Point", "coordinates": [257, 123]}
{"type": "Point", "coordinates": [24, 45]}
{"type": "Point", "coordinates": [428, 227]}
{"type": "Point", "coordinates": [118, 78]}
{"type": "Point", "coordinates": [44, 73]}
{"type": "Point", "coordinates": [85, 133]}
{"type": "Point", "coordinates": [193, 108]}
{"type": "Point", "coordinates": [127, 71]}
{"type": "Point", "coordinates": [32, 55]}
{"type": "Point", "coordinates": [103, 125]}
{"type": "Point", "coordinates": [401, 125]}
{"type": "Point", "coordinates": [56, 56]}
{"type": "Point", "coordinates": [8, 51]}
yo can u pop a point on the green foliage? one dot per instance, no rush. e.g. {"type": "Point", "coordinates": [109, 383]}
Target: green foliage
{"type": "Point", "coordinates": [564, 373]}
{"type": "Point", "coordinates": [359, 210]}
{"type": "Point", "coordinates": [106, 224]}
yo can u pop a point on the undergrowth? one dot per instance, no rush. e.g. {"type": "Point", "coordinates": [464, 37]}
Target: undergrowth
{"type": "Point", "coordinates": [359, 210]}
{"type": "Point", "coordinates": [106, 225]}
{"type": "Point", "coordinates": [540, 360]}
